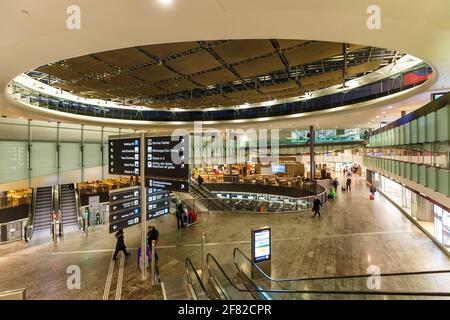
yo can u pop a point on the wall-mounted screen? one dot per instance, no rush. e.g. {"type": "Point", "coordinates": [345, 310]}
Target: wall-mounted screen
{"type": "Point", "coordinates": [278, 168]}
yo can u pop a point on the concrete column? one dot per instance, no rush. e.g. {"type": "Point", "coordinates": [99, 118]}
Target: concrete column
{"type": "Point", "coordinates": [311, 153]}
{"type": "Point", "coordinates": [58, 150]}
{"type": "Point", "coordinates": [82, 152]}
{"type": "Point", "coordinates": [29, 152]}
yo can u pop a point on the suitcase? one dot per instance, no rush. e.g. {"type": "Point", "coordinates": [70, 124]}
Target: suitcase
{"type": "Point", "coordinates": [372, 196]}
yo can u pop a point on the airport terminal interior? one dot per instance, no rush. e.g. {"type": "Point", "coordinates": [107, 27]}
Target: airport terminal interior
{"type": "Point", "coordinates": [257, 150]}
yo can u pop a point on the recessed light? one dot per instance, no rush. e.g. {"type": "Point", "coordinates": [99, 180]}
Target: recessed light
{"type": "Point", "coordinates": [166, 2]}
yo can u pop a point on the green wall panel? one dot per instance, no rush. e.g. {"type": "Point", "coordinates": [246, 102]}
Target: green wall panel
{"type": "Point", "coordinates": [401, 132]}
{"type": "Point", "coordinates": [443, 124]}
{"type": "Point", "coordinates": [414, 131]}
{"type": "Point", "coordinates": [43, 159]}
{"type": "Point", "coordinates": [407, 133]}
{"type": "Point", "coordinates": [423, 175]}
{"type": "Point", "coordinates": [402, 169]}
{"type": "Point", "coordinates": [422, 130]}
{"type": "Point", "coordinates": [414, 172]}
{"type": "Point", "coordinates": [408, 170]}
{"type": "Point", "coordinates": [444, 181]}
{"type": "Point", "coordinates": [397, 167]}
{"type": "Point", "coordinates": [397, 136]}
{"type": "Point", "coordinates": [92, 155]}
{"type": "Point", "coordinates": [13, 161]}
{"type": "Point", "coordinates": [431, 127]}
{"type": "Point", "coordinates": [432, 178]}
{"type": "Point", "coordinates": [70, 156]}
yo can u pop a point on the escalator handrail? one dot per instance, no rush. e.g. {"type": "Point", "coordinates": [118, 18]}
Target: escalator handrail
{"type": "Point", "coordinates": [350, 292]}
{"type": "Point", "coordinates": [31, 214]}
{"type": "Point", "coordinates": [191, 265]}
{"type": "Point", "coordinates": [331, 277]}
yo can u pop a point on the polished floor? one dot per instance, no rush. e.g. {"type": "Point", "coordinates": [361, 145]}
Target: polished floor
{"type": "Point", "coordinates": [352, 234]}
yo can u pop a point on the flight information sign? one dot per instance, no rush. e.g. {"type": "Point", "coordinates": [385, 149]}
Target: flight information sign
{"type": "Point", "coordinates": [167, 157]}
{"type": "Point", "coordinates": [123, 158]}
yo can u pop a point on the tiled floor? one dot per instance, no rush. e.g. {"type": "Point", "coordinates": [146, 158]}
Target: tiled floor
{"type": "Point", "coordinates": [352, 234]}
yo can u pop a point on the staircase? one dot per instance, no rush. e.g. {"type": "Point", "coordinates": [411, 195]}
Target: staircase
{"type": "Point", "coordinates": [69, 210]}
{"type": "Point", "coordinates": [43, 209]}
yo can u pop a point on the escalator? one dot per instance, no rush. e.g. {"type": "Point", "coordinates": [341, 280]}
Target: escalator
{"type": "Point", "coordinates": [432, 284]}
{"type": "Point", "coordinates": [68, 205]}
{"type": "Point", "coordinates": [40, 216]}
{"type": "Point", "coordinates": [205, 197]}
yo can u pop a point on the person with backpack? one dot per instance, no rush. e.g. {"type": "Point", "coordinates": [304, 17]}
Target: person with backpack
{"type": "Point", "coordinates": [179, 213]}
{"type": "Point", "coordinates": [152, 235]}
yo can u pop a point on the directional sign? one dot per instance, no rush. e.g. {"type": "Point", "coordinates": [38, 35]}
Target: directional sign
{"type": "Point", "coordinates": [124, 195]}
{"type": "Point", "coordinates": [125, 215]}
{"type": "Point", "coordinates": [157, 196]}
{"type": "Point", "coordinates": [165, 203]}
{"type": "Point", "coordinates": [124, 205]}
{"type": "Point", "coordinates": [123, 157]}
{"type": "Point", "coordinates": [120, 225]}
{"type": "Point", "coordinates": [167, 184]}
{"type": "Point", "coordinates": [152, 214]}
{"type": "Point", "coordinates": [167, 157]}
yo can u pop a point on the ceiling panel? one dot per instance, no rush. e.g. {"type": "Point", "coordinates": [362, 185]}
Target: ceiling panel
{"type": "Point", "coordinates": [365, 67]}
{"type": "Point", "coordinates": [123, 93]}
{"type": "Point", "coordinates": [154, 73]}
{"type": "Point", "coordinates": [124, 58]}
{"type": "Point", "coordinates": [313, 52]}
{"type": "Point", "coordinates": [239, 50]}
{"type": "Point", "coordinates": [87, 65]}
{"type": "Point", "coordinates": [243, 94]}
{"type": "Point", "coordinates": [67, 86]}
{"type": "Point", "coordinates": [326, 76]}
{"type": "Point", "coordinates": [148, 91]}
{"type": "Point", "coordinates": [170, 49]}
{"type": "Point", "coordinates": [355, 47]}
{"type": "Point", "coordinates": [60, 72]}
{"type": "Point", "coordinates": [123, 81]}
{"type": "Point", "coordinates": [214, 77]}
{"type": "Point", "coordinates": [94, 84]}
{"type": "Point", "coordinates": [279, 86]}
{"type": "Point", "coordinates": [284, 43]}
{"type": "Point", "coordinates": [178, 85]}
{"type": "Point", "coordinates": [324, 84]}
{"type": "Point", "coordinates": [193, 63]}
{"type": "Point", "coordinates": [287, 93]}
{"type": "Point", "coordinates": [259, 66]}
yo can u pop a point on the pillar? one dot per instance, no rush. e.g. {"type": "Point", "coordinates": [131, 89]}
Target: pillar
{"type": "Point", "coordinates": [311, 153]}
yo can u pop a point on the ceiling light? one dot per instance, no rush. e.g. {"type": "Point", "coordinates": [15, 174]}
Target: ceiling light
{"type": "Point", "coordinates": [166, 2]}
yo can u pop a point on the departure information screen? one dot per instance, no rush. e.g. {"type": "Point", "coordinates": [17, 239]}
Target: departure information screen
{"type": "Point", "coordinates": [123, 158]}
{"type": "Point", "coordinates": [261, 242]}
{"type": "Point", "coordinates": [167, 157]}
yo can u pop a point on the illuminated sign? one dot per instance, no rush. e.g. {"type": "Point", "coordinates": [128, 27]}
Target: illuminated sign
{"type": "Point", "coordinates": [261, 245]}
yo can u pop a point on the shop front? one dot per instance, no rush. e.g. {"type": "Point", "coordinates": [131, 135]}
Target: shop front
{"type": "Point", "coordinates": [432, 217]}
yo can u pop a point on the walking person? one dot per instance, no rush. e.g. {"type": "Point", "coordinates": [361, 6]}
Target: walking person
{"type": "Point", "coordinates": [152, 236]}
{"type": "Point", "coordinates": [179, 213]}
{"type": "Point", "coordinates": [200, 180]}
{"type": "Point", "coordinates": [349, 184]}
{"type": "Point", "coordinates": [372, 189]}
{"type": "Point", "coordinates": [120, 245]}
{"type": "Point", "coordinates": [316, 206]}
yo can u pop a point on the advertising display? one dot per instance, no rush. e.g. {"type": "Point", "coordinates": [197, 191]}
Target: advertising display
{"type": "Point", "coordinates": [278, 168]}
{"type": "Point", "coordinates": [167, 157]}
{"type": "Point", "coordinates": [261, 245]}
{"type": "Point", "coordinates": [123, 157]}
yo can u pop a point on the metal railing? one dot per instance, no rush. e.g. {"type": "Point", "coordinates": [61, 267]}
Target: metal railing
{"type": "Point", "coordinates": [195, 284]}
{"type": "Point", "coordinates": [30, 224]}
{"type": "Point", "coordinates": [291, 287]}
